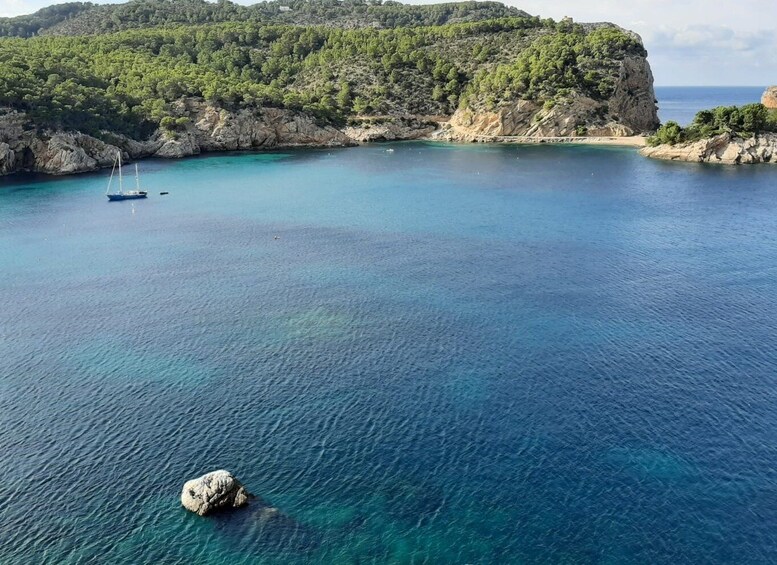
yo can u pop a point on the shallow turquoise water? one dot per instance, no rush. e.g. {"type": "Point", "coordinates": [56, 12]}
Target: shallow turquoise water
{"type": "Point", "coordinates": [453, 354]}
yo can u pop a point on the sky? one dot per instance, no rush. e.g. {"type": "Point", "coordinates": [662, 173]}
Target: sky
{"type": "Point", "coordinates": [690, 42]}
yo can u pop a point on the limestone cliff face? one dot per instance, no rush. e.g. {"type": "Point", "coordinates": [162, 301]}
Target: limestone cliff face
{"type": "Point", "coordinates": [629, 111]}
{"type": "Point", "coordinates": [216, 129]}
{"type": "Point", "coordinates": [392, 129]}
{"type": "Point", "coordinates": [25, 148]}
{"type": "Point", "coordinates": [634, 103]}
{"type": "Point", "coordinates": [723, 149]}
{"type": "Point", "coordinates": [769, 99]}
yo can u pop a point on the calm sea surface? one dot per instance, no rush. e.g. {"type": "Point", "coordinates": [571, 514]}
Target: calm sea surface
{"type": "Point", "coordinates": [452, 354]}
{"type": "Point", "coordinates": [681, 103]}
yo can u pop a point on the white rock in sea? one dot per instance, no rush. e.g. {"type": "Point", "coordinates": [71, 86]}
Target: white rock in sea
{"type": "Point", "coordinates": [213, 491]}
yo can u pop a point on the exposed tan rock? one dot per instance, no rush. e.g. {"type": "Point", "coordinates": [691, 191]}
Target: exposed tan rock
{"type": "Point", "coordinates": [215, 129]}
{"type": "Point", "coordinates": [390, 129]}
{"type": "Point", "coordinates": [25, 148]}
{"type": "Point", "coordinates": [634, 102]}
{"type": "Point", "coordinates": [214, 491]}
{"type": "Point", "coordinates": [631, 109]}
{"type": "Point", "coordinates": [64, 153]}
{"type": "Point", "coordinates": [512, 119]}
{"type": "Point", "coordinates": [175, 146]}
{"type": "Point", "coordinates": [723, 149]}
{"type": "Point", "coordinates": [7, 158]}
{"type": "Point", "coordinates": [769, 99]}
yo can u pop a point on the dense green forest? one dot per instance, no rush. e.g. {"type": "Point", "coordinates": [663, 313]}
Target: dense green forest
{"type": "Point", "coordinates": [558, 63]}
{"type": "Point", "coordinates": [127, 81]}
{"type": "Point", "coordinates": [745, 121]}
{"type": "Point", "coordinates": [85, 18]}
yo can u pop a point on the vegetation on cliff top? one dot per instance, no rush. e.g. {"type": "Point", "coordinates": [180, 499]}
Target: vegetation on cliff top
{"type": "Point", "coordinates": [82, 18]}
{"type": "Point", "coordinates": [745, 121]}
{"type": "Point", "coordinates": [570, 59]}
{"type": "Point", "coordinates": [128, 81]}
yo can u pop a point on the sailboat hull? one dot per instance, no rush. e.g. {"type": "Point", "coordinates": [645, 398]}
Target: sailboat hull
{"type": "Point", "coordinates": [127, 196]}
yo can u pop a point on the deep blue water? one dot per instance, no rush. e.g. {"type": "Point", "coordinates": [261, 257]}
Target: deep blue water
{"type": "Point", "coordinates": [681, 103]}
{"type": "Point", "coordinates": [453, 354]}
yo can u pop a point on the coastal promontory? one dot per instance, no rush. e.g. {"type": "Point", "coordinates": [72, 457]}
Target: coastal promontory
{"type": "Point", "coordinates": [170, 79]}
{"type": "Point", "coordinates": [728, 135]}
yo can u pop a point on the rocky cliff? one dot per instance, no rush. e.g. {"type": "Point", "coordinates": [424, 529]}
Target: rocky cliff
{"type": "Point", "coordinates": [769, 98]}
{"type": "Point", "coordinates": [24, 147]}
{"type": "Point", "coordinates": [629, 111]}
{"type": "Point", "coordinates": [724, 149]}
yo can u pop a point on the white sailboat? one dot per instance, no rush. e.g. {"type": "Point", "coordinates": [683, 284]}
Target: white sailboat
{"type": "Point", "coordinates": [122, 194]}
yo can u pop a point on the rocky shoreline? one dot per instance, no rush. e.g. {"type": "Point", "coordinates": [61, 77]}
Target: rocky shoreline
{"type": "Point", "coordinates": [724, 149]}
{"type": "Point", "coordinates": [196, 126]}
{"type": "Point", "coordinates": [24, 148]}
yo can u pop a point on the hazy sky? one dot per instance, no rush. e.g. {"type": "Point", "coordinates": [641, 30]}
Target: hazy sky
{"type": "Point", "coordinates": [691, 42]}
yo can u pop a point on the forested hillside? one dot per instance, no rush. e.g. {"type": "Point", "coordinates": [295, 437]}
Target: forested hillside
{"type": "Point", "coordinates": [126, 81]}
{"type": "Point", "coordinates": [86, 18]}
{"type": "Point", "coordinates": [47, 18]}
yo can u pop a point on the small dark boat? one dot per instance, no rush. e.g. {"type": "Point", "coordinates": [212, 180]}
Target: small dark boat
{"type": "Point", "coordinates": [124, 194]}
{"type": "Point", "coordinates": [163, 193]}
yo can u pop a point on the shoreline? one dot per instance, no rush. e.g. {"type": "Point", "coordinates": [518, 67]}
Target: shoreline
{"type": "Point", "coordinates": [630, 141]}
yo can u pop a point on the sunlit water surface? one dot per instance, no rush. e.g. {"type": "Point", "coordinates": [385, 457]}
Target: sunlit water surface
{"type": "Point", "coordinates": [450, 354]}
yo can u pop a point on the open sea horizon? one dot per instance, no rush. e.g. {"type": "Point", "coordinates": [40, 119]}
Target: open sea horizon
{"type": "Point", "coordinates": [681, 103]}
{"type": "Point", "coordinates": [444, 353]}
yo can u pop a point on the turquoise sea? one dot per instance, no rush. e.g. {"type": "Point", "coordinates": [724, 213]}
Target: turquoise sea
{"type": "Point", "coordinates": [451, 354]}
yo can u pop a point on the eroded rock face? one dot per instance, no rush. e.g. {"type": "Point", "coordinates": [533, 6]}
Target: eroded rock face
{"type": "Point", "coordinates": [769, 99]}
{"type": "Point", "coordinates": [216, 129]}
{"type": "Point", "coordinates": [23, 147]}
{"type": "Point", "coordinates": [630, 110]}
{"type": "Point", "coordinates": [214, 491]}
{"type": "Point", "coordinates": [391, 129]}
{"type": "Point", "coordinates": [634, 102]}
{"type": "Point", "coordinates": [723, 149]}
{"type": "Point", "coordinates": [26, 148]}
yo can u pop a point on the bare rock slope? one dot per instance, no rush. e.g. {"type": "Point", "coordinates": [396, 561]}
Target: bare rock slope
{"type": "Point", "coordinates": [24, 147]}
{"type": "Point", "coordinates": [631, 110]}
{"type": "Point", "coordinates": [725, 149]}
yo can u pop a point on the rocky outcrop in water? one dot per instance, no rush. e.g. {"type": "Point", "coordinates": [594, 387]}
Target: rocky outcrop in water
{"type": "Point", "coordinates": [214, 491]}
{"type": "Point", "coordinates": [725, 149]}
{"type": "Point", "coordinates": [630, 110]}
{"type": "Point", "coordinates": [769, 98]}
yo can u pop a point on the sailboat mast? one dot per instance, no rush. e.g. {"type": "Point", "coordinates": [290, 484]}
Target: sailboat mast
{"type": "Point", "coordinates": [110, 180]}
{"type": "Point", "coordinates": [121, 185]}
{"type": "Point", "coordinates": [137, 178]}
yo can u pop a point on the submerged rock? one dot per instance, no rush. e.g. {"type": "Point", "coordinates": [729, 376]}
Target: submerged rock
{"type": "Point", "coordinates": [218, 490]}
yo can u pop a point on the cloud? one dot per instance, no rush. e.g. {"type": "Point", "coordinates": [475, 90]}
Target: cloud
{"type": "Point", "coordinates": [10, 8]}
{"type": "Point", "coordinates": [713, 38]}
